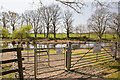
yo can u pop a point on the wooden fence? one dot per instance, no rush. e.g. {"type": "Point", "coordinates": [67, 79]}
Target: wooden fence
{"type": "Point", "coordinates": [19, 60]}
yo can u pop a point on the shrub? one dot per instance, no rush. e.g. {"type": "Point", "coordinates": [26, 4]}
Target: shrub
{"type": "Point", "coordinates": [23, 32]}
{"type": "Point", "coordinates": [4, 32]}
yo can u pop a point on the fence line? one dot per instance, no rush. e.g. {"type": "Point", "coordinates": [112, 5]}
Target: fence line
{"type": "Point", "coordinates": [19, 59]}
{"type": "Point", "coordinates": [71, 58]}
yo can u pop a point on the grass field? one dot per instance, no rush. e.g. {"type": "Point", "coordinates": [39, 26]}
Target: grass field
{"type": "Point", "coordinates": [93, 36]}
{"type": "Point", "coordinates": [108, 36]}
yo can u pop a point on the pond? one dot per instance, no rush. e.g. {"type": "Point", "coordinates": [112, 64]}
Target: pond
{"type": "Point", "coordinates": [10, 45]}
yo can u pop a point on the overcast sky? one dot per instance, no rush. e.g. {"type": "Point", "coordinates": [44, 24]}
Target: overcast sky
{"type": "Point", "coordinates": [20, 6]}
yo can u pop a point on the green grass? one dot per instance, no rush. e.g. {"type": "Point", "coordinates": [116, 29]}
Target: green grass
{"type": "Point", "coordinates": [113, 69]}
{"type": "Point", "coordinates": [114, 75]}
{"type": "Point", "coordinates": [114, 66]}
{"type": "Point", "coordinates": [94, 36]}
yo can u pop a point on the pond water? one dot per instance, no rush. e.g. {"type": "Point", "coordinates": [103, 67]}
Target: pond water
{"type": "Point", "coordinates": [9, 45]}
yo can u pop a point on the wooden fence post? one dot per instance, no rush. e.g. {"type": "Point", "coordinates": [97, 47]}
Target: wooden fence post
{"type": "Point", "coordinates": [48, 57]}
{"type": "Point", "coordinates": [20, 69]}
{"type": "Point", "coordinates": [68, 58]}
{"type": "Point", "coordinates": [115, 53]}
{"type": "Point", "coordinates": [35, 62]}
{"type": "Point", "coordinates": [118, 53]}
{"type": "Point", "coordinates": [1, 64]}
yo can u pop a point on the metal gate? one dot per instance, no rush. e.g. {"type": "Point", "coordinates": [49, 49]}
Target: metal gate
{"type": "Point", "coordinates": [86, 54]}
{"type": "Point", "coordinates": [44, 61]}
{"type": "Point", "coordinates": [49, 61]}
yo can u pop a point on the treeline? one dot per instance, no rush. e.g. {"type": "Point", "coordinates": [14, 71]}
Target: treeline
{"type": "Point", "coordinates": [49, 19]}
{"type": "Point", "coordinates": [46, 19]}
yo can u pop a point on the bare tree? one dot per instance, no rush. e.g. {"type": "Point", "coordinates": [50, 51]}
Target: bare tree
{"type": "Point", "coordinates": [40, 28]}
{"type": "Point", "coordinates": [43, 27]}
{"type": "Point", "coordinates": [4, 19]}
{"type": "Point", "coordinates": [55, 17]}
{"type": "Point", "coordinates": [46, 15]}
{"type": "Point", "coordinates": [34, 21]}
{"type": "Point", "coordinates": [99, 21]}
{"type": "Point", "coordinates": [76, 5]}
{"type": "Point", "coordinates": [79, 29]}
{"type": "Point", "coordinates": [68, 22]}
{"type": "Point", "coordinates": [115, 23]}
{"type": "Point", "coordinates": [26, 16]}
{"type": "Point", "coordinates": [32, 18]}
{"type": "Point", "coordinates": [13, 18]}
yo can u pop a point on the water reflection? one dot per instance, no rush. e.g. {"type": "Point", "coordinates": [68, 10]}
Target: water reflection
{"type": "Point", "coordinates": [10, 45]}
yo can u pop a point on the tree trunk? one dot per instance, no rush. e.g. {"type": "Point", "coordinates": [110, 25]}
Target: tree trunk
{"type": "Point", "coordinates": [13, 27]}
{"type": "Point", "coordinates": [100, 37]}
{"type": "Point", "coordinates": [35, 35]}
{"type": "Point", "coordinates": [67, 33]}
{"type": "Point", "coordinates": [44, 31]}
{"type": "Point", "coordinates": [47, 31]}
{"type": "Point", "coordinates": [89, 35]}
{"type": "Point", "coordinates": [54, 31]}
{"type": "Point", "coordinates": [4, 25]}
{"type": "Point", "coordinates": [54, 35]}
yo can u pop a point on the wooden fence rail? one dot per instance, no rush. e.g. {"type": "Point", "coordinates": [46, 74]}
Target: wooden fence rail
{"type": "Point", "coordinates": [19, 60]}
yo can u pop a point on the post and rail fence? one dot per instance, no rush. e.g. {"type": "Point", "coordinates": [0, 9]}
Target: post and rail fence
{"type": "Point", "coordinates": [19, 60]}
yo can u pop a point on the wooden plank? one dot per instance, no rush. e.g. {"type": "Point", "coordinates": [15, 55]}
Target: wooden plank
{"type": "Point", "coordinates": [9, 61]}
{"type": "Point", "coordinates": [9, 50]}
{"type": "Point", "coordinates": [19, 57]}
{"type": "Point", "coordinates": [11, 71]}
{"type": "Point", "coordinates": [40, 51]}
